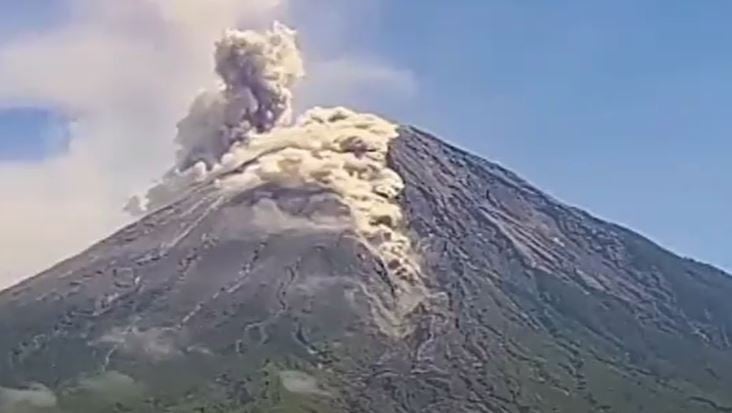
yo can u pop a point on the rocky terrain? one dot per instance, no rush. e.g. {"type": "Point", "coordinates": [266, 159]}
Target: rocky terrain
{"type": "Point", "coordinates": [263, 301]}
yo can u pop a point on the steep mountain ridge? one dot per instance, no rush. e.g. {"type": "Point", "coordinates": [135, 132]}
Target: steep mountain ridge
{"type": "Point", "coordinates": [658, 321]}
{"type": "Point", "coordinates": [266, 300]}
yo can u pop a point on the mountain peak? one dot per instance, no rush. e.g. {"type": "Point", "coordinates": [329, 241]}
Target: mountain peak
{"type": "Point", "coordinates": [267, 298]}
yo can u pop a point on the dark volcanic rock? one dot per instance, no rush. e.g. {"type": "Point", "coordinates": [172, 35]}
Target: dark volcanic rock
{"type": "Point", "coordinates": [254, 303]}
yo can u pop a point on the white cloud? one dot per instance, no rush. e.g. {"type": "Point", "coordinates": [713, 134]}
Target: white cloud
{"type": "Point", "coordinates": [126, 72]}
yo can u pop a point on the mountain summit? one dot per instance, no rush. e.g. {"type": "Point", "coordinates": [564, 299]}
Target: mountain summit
{"type": "Point", "coordinates": [340, 263]}
{"type": "Point", "coordinates": [263, 300]}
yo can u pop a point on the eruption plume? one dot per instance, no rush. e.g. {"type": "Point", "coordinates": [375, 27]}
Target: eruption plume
{"type": "Point", "coordinates": [242, 136]}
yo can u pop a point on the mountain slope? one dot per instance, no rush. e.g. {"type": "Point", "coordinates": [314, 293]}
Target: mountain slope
{"type": "Point", "coordinates": [570, 310]}
{"type": "Point", "coordinates": [263, 300]}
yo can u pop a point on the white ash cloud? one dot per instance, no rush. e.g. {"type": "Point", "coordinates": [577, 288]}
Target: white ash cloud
{"type": "Point", "coordinates": [247, 122]}
{"type": "Point", "coordinates": [257, 71]}
{"type": "Point", "coordinates": [36, 396]}
{"type": "Point", "coordinates": [244, 141]}
{"type": "Point", "coordinates": [126, 72]}
{"type": "Point", "coordinates": [343, 151]}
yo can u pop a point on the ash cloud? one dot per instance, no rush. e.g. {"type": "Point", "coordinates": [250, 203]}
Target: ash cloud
{"type": "Point", "coordinates": [248, 121]}
{"type": "Point", "coordinates": [345, 152]}
{"type": "Point", "coordinates": [125, 72]}
{"type": "Point", "coordinates": [258, 71]}
{"type": "Point", "coordinates": [241, 137]}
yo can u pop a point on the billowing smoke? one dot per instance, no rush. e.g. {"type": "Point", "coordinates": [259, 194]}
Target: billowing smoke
{"type": "Point", "coordinates": [258, 71]}
{"type": "Point", "coordinates": [123, 72]}
{"type": "Point", "coordinates": [345, 152]}
{"type": "Point", "coordinates": [242, 136]}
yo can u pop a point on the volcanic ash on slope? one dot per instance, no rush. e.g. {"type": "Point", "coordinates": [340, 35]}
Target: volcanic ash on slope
{"type": "Point", "coordinates": [241, 136]}
{"type": "Point", "coordinates": [345, 152]}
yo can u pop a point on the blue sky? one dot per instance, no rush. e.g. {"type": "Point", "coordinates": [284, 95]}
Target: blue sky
{"type": "Point", "coordinates": [22, 16]}
{"type": "Point", "coordinates": [623, 108]}
{"type": "Point", "coordinates": [30, 134]}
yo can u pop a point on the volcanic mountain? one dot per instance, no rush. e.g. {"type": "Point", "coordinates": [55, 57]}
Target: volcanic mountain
{"type": "Point", "coordinates": [343, 264]}
{"type": "Point", "coordinates": [246, 303]}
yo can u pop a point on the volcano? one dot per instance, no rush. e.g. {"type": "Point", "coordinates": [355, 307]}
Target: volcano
{"type": "Point", "coordinates": [248, 302]}
{"type": "Point", "coordinates": [342, 263]}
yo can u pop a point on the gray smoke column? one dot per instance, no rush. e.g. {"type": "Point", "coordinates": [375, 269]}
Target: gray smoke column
{"type": "Point", "coordinates": [258, 71]}
{"type": "Point", "coordinates": [242, 136]}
